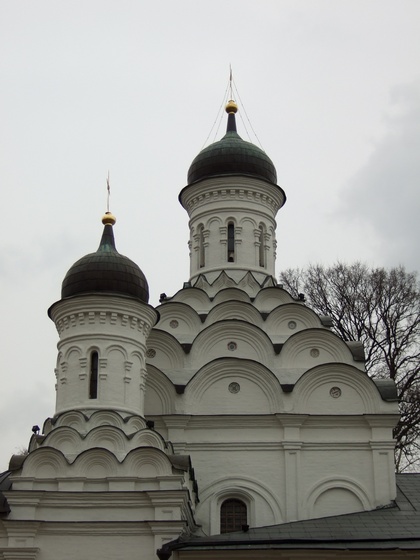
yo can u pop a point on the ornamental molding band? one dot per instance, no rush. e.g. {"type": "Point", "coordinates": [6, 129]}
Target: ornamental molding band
{"type": "Point", "coordinates": [236, 194]}
{"type": "Point", "coordinates": [241, 189]}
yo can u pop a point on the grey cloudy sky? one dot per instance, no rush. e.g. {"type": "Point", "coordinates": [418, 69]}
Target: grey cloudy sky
{"type": "Point", "coordinates": [332, 89]}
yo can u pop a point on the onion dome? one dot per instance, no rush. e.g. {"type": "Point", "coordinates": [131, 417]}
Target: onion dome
{"type": "Point", "coordinates": [106, 271]}
{"type": "Point", "coordinates": [232, 156]}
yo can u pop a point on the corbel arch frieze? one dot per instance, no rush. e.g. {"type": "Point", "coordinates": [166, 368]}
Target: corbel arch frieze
{"type": "Point", "coordinates": [71, 352]}
{"type": "Point", "coordinates": [248, 223]}
{"type": "Point", "coordinates": [116, 349]}
{"type": "Point", "coordinates": [213, 222]}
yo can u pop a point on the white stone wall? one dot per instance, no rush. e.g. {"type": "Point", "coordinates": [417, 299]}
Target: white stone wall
{"type": "Point", "coordinates": [245, 202]}
{"type": "Point", "coordinates": [115, 327]}
{"type": "Point", "coordinates": [272, 407]}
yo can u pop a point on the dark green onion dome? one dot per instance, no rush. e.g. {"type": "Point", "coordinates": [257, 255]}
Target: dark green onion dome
{"type": "Point", "coordinates": [106, 271]}
{"type": "Point", "coordinates": [232, 156]}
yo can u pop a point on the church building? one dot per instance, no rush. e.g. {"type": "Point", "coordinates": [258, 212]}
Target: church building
{"type": "Point", "coordinates": [227, 422]}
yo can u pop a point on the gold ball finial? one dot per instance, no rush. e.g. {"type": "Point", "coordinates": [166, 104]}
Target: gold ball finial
{"type": "Point", "coordinates": [231, 106]}
{"type": "Point", "coordinates": [108, 219]}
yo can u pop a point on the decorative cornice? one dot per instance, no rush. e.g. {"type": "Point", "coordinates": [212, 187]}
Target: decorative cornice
{"type": "Point", "coordinates": [98, 318]}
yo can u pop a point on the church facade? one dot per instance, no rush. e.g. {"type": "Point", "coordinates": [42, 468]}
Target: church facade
{"type": "Point", "coordinates": [228, 408]}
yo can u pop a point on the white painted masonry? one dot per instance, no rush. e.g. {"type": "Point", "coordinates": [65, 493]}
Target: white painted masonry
{"type": "Point", "coordinates": [229, 389]}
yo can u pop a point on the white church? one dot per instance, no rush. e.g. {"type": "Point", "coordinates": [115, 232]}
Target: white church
{"type": "Point", "coordinates": [228, 422]}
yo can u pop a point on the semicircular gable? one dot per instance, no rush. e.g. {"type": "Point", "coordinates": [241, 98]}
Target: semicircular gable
{"type": "Point", "coordinates": [194, 297]}
{"type": "Point", "coordinates": [289, 318]}
{"type": "Point", "coordinates": [233, 339]}
{"type": "Point", "coordinates": [148, 438]}
{"type": "Point", "coordinates": [45, 462]}
{"type": "Point", "coordinates": [269, 298]}
{"type": "Point", "coordinates": [133, 424]}
{"type": "Point", "coordinates": [147, 462]}
{"type": "Point", "coordinates": [310, 347]}
{"type": "Point", "coordinates": [73, 419]}
{"type": "Point", "coordinates": [179, 318]}
{"type": "Point", "coordinates": [105, 418]}
{"type": "Point", "coordinates": [337, 389]}
{"type": "Point", "coordinates": [96, 463]}
{"type": "Point", "coordinates": [160, 393]}
{"type": "Point", "coordinates": [234, 386]}
{"type": "Point", "coordinates": [227, 294]}
{"type": "Point", "coordinates": [107, 437]}
{"type": "Point", "coordinates": [164, 351]}
{"type": "Point", "coordinates": [65, 439]}
{"type": "Point", "coordinates": [239, 310]}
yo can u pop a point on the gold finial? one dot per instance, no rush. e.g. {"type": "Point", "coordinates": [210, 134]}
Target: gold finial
{"type": "Point", "coordinates": [231, 106]}
{"type": "Point", "coordinates": [108, 219]}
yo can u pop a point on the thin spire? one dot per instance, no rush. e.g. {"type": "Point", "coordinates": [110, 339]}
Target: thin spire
{"type": "Point", "coordinates": [108, 188]}
{"type": "Point", "coordinates": [230, 82]}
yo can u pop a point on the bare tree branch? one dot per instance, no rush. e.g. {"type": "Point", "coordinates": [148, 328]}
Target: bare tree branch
{"type": "Point", "coordinates": [381, 308]}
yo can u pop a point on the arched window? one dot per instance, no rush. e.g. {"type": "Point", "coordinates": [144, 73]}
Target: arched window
{"type": "Point", "coordinates": [231, 242]}
{"type": "Point", "coordinates": [93, 376]}
{"type": "Point", "coordinates": [201, 256]}
{"type": "Point", "coordinates": [262, 248]}
{"type": "Point", "coordinates": [233, 515]}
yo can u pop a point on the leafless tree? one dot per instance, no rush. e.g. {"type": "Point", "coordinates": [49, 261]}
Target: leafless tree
{"type": "Point", "coordinates": [381, 308]}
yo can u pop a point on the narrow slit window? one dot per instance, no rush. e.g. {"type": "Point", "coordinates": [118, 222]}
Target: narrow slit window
{"type": "Point", "coordinates": [262, 248]}
{"type": "Point", "coordinates": [201, 255]}
{"type": "Point", "coordinates": [231, 242]}
{"type": "Point", "coordinates": [93, 377]}
{"type": "Point", "coordinates": [233, 515]}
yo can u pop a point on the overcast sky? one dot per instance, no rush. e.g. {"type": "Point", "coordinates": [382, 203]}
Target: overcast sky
{"type": "Point", "coordinates": [331, 87]}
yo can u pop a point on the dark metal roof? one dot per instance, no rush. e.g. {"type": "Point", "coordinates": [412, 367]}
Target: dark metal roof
{"type": "Point", "coordinates": [5, 484]}
{"type": "Point", "coordinates": [105, 271]}
{"type": "Point", "coordinates": [394, 526]}
{"type": "Point", "coordinates": [232, 156]}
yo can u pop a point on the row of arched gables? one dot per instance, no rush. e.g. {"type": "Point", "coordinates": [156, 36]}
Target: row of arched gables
{"type": "Point", "coordinates": [226, 504]}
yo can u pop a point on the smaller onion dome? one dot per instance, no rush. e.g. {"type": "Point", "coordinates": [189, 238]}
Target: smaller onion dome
{"type": "Point", "coordinates": [106, 270]}
{"type": "Point", "coordinates": [232, 156]}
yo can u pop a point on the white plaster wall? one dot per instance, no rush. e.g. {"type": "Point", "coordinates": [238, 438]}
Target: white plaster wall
{"type": "Point", "coordinates": [115, 327]}
{"type": "Point", "coordinates": [243, 201]}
